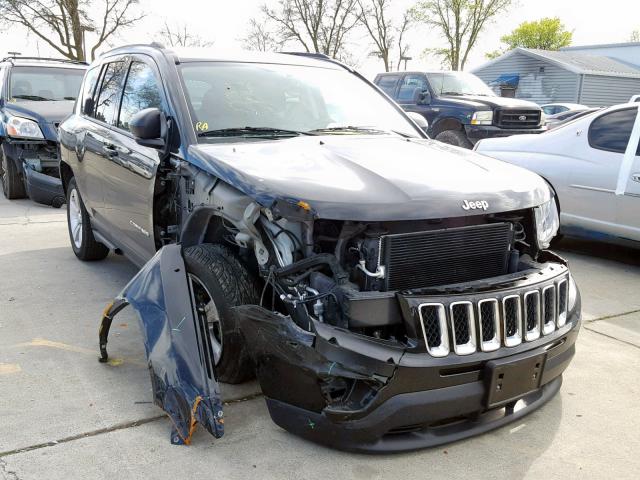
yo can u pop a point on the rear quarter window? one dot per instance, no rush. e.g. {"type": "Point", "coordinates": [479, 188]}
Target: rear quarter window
{"type": "Point", "coordinates": [388, 84]}
{"type": "Point", "coordinates": [88, 90]}
{"type": "Point", "coordinates": [611, 131]}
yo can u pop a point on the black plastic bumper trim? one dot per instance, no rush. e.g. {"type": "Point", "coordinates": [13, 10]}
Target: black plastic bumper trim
{"type": "Point", "coordinates": [355, 436]}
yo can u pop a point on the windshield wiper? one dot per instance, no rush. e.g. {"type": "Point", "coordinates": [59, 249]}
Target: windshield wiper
{"type": "Point", "coordinates": [33, 97]}
{"type": "Point", "coordinates": [349, 128]}
{"type": "Point", "coordinates": [239, 131]}
{"type": "Point", "coordinates": [353, 129]}
{"type": "Point", "coordinates": [452, 93]}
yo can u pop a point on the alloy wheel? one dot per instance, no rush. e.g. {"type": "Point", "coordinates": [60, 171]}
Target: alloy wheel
{"type": "Point", "coordinates": [75, 218]}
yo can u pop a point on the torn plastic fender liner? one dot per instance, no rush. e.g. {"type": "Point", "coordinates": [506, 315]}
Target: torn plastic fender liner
{"type": "Point", "coordinates": [176, 342]}
{"type": "Point", "coordinates": [293, 365]}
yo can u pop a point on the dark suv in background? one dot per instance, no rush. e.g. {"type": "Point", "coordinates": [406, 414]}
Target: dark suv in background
{"type": "Point", "coordinates": [460, 108]}
{"type": "Point", "coordinates": [36, 94]}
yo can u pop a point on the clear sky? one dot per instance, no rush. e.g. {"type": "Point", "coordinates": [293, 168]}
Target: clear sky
{"type": "Point", "coordinates": [225, 21]}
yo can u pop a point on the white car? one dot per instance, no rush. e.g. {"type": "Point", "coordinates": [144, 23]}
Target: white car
{"type": "Point", "coordinates": [593, 164]}
{"type": "Point", "coordinates": [553, 108]}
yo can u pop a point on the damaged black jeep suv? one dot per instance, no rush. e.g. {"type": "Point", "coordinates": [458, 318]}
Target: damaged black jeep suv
{"type": "Point", "coordinates": [390, 292]}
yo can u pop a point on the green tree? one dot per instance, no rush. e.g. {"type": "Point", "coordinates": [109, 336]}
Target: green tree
{"type": "Point", "coordinates": [544, 34]}
{"type": "Point", "coordinates": [460, 22]}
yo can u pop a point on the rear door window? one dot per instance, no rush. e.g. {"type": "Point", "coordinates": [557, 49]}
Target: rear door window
{"type": "Point", "coordinates": [611, 131]}
{"type": "Point", "coordinates": [409, 85]}
{"type": "Point", "coordinates": [388, 84]}
{"type": "Point", "coordinates": [141, 91]}
{"type": "Point", "coordinates": [110, 89]}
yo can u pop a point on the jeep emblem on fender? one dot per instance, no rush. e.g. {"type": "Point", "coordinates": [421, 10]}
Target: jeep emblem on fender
{"type": "Point", "coordinates": [522, 118]}
{"type": "Point", "coordinates": [480, 204]}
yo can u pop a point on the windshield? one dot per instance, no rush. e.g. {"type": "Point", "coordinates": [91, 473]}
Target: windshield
{"type": "Point", "coordinates": [458, 83]}
{"type": "Point", "coordinates": [45, 83]}
{"type": "Point", "coordinates": [284, 100]}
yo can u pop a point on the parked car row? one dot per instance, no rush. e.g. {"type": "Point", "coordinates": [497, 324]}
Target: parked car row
{"type": "Point", "coordinates": [593, 166]}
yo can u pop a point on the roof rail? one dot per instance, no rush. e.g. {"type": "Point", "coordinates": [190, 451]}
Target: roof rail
{"type": "Point", "coordinates": [44, 59]}
{"type": "Point", "coordinates": [320, 56]}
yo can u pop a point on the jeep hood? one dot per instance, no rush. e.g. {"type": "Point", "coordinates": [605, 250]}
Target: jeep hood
{"type": "Point", "coordinates": [370, 178]}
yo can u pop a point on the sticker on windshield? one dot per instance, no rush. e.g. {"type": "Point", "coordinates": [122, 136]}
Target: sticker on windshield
{"type": "Point", "coordinates": [202, 126]}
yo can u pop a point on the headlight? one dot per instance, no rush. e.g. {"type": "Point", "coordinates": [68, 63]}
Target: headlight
{"type": "Point", "coordinates": [484, 117]}
{"type": "Point", "coordinates": [547, 223]}
{"type": "Point", "coordinates": [23, 127]}
{"type": "Point", "coordinates": [543, 119]}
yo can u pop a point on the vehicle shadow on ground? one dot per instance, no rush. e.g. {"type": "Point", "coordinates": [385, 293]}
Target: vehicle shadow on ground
{"type": "Point", "coordinates": [616, 253]}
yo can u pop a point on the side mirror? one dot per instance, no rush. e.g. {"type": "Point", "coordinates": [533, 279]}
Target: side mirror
{"type": "Point", "coordinates": [87, 108]}
{"type": "Point", "coordinates": [149, 127]}
{"type": "Point", "coordinates": [421, 97]}
{"type": "Point", "coordinates": [419, 120]}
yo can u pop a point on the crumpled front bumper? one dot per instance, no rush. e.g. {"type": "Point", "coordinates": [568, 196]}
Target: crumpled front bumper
{"type": "Point", "coordinates": [40, 187]}
{"type": "Point", "coordinates": [358, 393]}
{"type": "Point", "coordinates": [340, 388]}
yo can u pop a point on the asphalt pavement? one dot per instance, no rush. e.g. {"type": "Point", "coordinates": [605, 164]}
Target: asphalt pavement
{"type": "Point", "coordinates": [63, 415]}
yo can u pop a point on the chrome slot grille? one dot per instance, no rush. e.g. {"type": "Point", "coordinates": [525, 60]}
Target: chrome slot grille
{"type": "Point", "coordinates": [512, 319]}
{"type": "Point", "coordinates": [563, 298]}
{"type": "Point", "coordinates": [532, 315]}
{"type": "Point", "coordinates": [486, 324]}
{"type": "Point", "coordinates": [489, 323]}
{"type": "Point", "coordinates": [548, 309]}
{"type": "Point", "coordinates": [463, 327]}
{"type": "Point", "coordinates": [433, 320]}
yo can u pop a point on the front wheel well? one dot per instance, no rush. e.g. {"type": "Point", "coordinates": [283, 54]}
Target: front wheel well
{"type": "Point", "coordinates": [66, 174]}
{"type": "Point", "coordinates": [446, 124]}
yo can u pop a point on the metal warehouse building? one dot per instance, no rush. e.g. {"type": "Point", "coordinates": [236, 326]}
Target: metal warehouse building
{"type": "Point", "coordinates": [570, 76]}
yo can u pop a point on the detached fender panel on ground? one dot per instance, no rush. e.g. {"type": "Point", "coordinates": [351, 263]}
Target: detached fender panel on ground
{"type": "Point", "coordinates": [176, 343]}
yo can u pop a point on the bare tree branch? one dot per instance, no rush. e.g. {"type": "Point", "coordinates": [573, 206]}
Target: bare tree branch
{"type": "Point", "coordinates": [260, 38]}
{"type": "Point", "coordinates": [181, 36]}
{"type": "Point", "coordinates": [403, 48]}
{"type": "Point", "coordinates": [460, 22]}
{"type": "Point", "coordinates": [69, 20]}
{"type": "Point", "coordinates": [320, 26]}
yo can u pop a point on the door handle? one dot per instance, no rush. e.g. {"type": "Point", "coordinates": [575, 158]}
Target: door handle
{"type": "Point", "coordinates": [635, 177]}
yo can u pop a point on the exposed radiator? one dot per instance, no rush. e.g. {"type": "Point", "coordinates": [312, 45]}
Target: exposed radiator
{"type": "Point", "coordinates": [441, 257]}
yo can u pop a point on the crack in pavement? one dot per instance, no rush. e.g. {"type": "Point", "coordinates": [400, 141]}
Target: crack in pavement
{"type": "Point", "coordinates": [613, 315]}
{"type": "Point", "coordinates": [586, 327]}
{"type": "Point", "coordinates": [30, 222]}
{"type": "Point", "coordinates": [100, 431]}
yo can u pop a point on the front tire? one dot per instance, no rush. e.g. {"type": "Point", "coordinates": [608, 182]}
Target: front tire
{"type": "Point", "coordinates": [454, 137]}
{"type": "Point", "coordinates": [12, 183]}
{"type": "Point", "coordinates": [219, 281]}
{"type": "Point", "coordinates": [83, 243]}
